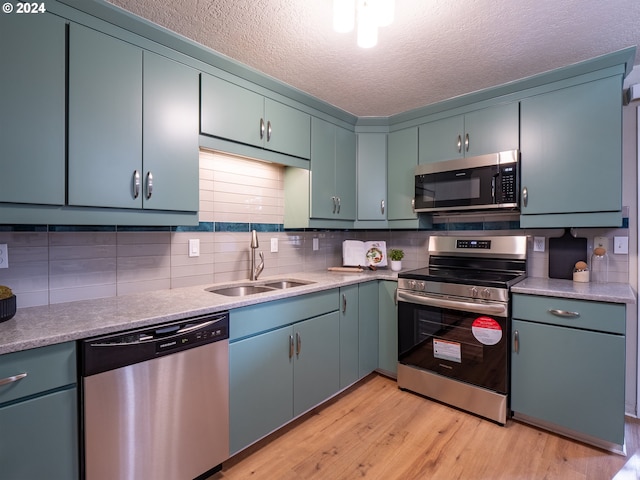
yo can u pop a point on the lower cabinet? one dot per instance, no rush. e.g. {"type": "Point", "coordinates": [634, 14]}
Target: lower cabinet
{"type": "Point", "coordinates": [281, 373]}
{"type": "Point", "coordinates": [568, 367]}
{"type": "Point", "coordinates": [349, 328]}
{"type": "Point", "coordinates": [368, 313]}
{"type": "Point", "coordinates": [388, 328]}
{"type": "Point", "coordinates": [38, 414]}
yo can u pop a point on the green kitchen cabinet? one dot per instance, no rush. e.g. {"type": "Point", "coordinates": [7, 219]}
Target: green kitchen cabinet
{"type": "Point", "coordinates": [232, 112]}
{"type": "Point", "coordinates": [333, 171]}
{"type": "Point", "coordinates": [388, 328]}
{"type": "Point", "coordinates": [38, 413]}
{"type": "Point", "coordinates": [133, 126]}
{"type": "Point", "coordinates": [478, 132]}
{"type": "Point", "coordinates": [349, 328]}
{"type": "Point", "coordinates": [568, 367]}
{"type": "Point", "coordinates": [371, 176]}
{"type": "Point", "coordinates": [402, 160]}
{"type": "Point", "coordinates": [571, 156]}
{"type": "Point", "coordinates": [32, 106]}
{"type": "Point", "coordinates": [368, 314]}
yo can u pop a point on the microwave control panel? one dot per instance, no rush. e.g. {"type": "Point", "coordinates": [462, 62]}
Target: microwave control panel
{"type": "Point", "coordinates": [508, 183]}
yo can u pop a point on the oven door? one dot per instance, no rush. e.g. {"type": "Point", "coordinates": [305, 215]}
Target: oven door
{"type": "Point", "coordinates": [464, 339]}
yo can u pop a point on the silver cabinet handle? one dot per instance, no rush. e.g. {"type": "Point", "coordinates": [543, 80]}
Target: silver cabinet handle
{"type": "Point", "coordinates": [136, 183]}
{"type": "Point", "coordinates": [268, 130]}
{"type": "Point", "coordinates": [344, 303]}
{"type": "Point", "coordinates": [459, 144]}
{"type": "Point", "coordinates": [11, 379]}
{"type": "Point", "coordinates": [290, 346]}
{"type": "Point", "coordinates": [516, 341]}
{"type": "Point", "coordinates": [382, 206]}
{"type": "Point", "coordinates": [335, 204]}
{"type": "Point", "coordinates": [338, 212]}
{"type": "Point", "coordinates": [525, 196]}
{"type": "Point", "coordinates": [261, 128]}
{"type": "Point", "coordinates": [466, 142]}
{"type": "Point", "coordinates": [149, 184]}
{"type": "Point", "coordinates": [395, 297]}
{"type": "Point", "coordinates": [563, 313]}
{"type": "Point", "coordinates": [298, 343]}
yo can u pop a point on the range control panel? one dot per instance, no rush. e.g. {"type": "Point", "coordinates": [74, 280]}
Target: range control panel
{"type": "Point", "coordinates": [478, 244]}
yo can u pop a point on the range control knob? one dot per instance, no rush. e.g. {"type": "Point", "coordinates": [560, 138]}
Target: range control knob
{"type": "Point", "coordinates": [421, 286]}
{"type": "Point", "coordinates": [412, 284]}
{"type": "Point", "coordinates": [486, 293]}
{"type": "Point", "coordinates": [473, 291]}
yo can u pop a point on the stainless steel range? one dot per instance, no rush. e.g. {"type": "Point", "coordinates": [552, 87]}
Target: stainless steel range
{"type": "Point", "coordinates": [454, 322]}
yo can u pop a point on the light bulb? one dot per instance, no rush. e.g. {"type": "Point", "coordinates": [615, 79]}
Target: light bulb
{"type": "Point", "coordinates": [367, 25]}
{"type": "Point", "coordinates": [344, 13]}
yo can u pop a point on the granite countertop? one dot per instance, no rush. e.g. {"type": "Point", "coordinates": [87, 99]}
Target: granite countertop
{"type": "Point", "coordinates": [553, 287]}
{"type": "Point", "coordinates": [33, 327]}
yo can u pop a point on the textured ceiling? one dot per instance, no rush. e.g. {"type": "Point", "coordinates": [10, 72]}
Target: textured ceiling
{"type": "Point", "coordinates": [435, 49]}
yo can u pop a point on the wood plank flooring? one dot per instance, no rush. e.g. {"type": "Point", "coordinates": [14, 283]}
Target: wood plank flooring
{"type": "Point", "coordinates": [376, 431]}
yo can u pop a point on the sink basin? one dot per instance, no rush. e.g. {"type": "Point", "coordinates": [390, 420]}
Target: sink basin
{"type": "Point", "coordinates": [240, 290]}
{"type": "Point", "coordinates": [286, 283]}
{"type": "Point", "coordinates": [244, 289]}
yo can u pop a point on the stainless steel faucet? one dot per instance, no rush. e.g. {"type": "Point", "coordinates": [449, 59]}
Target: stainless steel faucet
{"type": "Point", "coordinates": [255, 270]}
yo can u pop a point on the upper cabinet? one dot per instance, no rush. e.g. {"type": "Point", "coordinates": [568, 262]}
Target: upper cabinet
{"type": "Point", "coordinates": [241, 115]}
{"type": "Point", "coordinates": [133, 143]}
{"type": "Point", "coordinates": [32, 109]}
{"type": "Point", "coordinates": [571, 155]}
{"type": "Point", "coordinates": [488, 130]}
{"type": "Point", "coordinates": [402, 159]}
{"type": "Point", "coordinates": [372, 176]}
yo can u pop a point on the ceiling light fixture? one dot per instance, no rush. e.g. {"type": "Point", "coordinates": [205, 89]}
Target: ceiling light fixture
{"type": "Point", "coordinates": [370, 15]}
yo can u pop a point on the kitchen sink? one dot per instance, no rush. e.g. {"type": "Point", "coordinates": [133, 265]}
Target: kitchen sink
{"type": "Point", "coordinates": [244, 289]}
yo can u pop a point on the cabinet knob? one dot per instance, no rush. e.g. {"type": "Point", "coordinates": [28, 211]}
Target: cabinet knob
{"type": "Point", "coordinates": [459, 144]}
{"type": "Point", "coordinates": [298, 343]}
{"type": "Point", "coordinates": [290, 346]}
{"type": "Point", "coordinates": [466, 142]}
{"type": "Point", "coordinates": [335, 203]}
{"type": "Point", "coordinates": [261, 128]}
{"type": "Point", "coordinates": [338, 212]}
{"type": "Point", "coordinates": [525, 196]}
{"type": "Point", "coordinates": [11, 379]}
{"type": "Point", "coordinates": [269, 130]}
{"type": "Point", "coordinates": [382, 206]}
{"type": "Point", "coordinates": [344, 303]}
{"type": "Point", "coordinates": [136, 183]}
{"type": "Point", "coordinates": [413, 205]}
{"type": "Point", "coordinates": [516, 341]}
{"type": "Point", "coordinates": [563, 313]}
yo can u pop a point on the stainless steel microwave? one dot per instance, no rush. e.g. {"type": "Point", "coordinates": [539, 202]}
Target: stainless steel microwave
{"type": "Point", "coordinates": [486, 182]}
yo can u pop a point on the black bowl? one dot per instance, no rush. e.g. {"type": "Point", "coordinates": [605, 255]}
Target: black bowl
{"type": "Point", "coordinates": [7, 308]}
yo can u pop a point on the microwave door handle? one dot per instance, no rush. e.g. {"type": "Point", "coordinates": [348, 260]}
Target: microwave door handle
{"type": "Point", "coordinates": [498, 309]}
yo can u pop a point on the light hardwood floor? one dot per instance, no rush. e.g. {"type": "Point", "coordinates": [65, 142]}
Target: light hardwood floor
{"type": "Point", "coordinates": [376, 431]}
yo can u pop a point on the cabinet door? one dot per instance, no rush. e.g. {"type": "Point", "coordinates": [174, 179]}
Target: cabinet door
{"type": "Point", "coordinates": [569, 377]}
{"type": "Point", "coordinates": [105, 120]}
{"type": "Point", "coordinates": [368, 313]}
{"type": "Point", "coordinates": [402, 159]}
{"type": "Point", "coordinates": [491, 130]}
{"type": "Point", "coordinates": [571, 149]}
{"type": "Point", "coordinates": [441, 140]}
{"type": "Point", "coordinates": [40, 437]}
{"type": "Point", "coordinates": [290, 129]}
{"type": "Point", "coordinates": [170, 129]}
{"type": "Point", "coordinates": [32, 102]}
{"type": "Point", "coordinates": [345, 173]}
{"type": "Point", "coordinates": [316, 373]}
{"type": "Point", "coordinates": [323, 169]}
{"type": "Point", "coordinates": [230, 111]}
{"type": "Point", "coordinates": [372, 176]}
{"type": "Point", "coordinates": [349, 307]}
{"type": "Point", "coordinates": [261, 386]}
{"type": "Point", "coordinates": [388, 327]}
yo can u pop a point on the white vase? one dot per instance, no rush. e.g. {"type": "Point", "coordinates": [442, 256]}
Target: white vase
{"type": "Point", "coordinates": [396, 265]}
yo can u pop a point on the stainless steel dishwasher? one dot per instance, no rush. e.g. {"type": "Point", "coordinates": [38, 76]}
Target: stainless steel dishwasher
{"type": "Point", "coordinates": [155, 401]}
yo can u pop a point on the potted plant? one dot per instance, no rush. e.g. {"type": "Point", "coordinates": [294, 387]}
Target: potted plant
{"type": "Point", "coordinates": [396, 255]}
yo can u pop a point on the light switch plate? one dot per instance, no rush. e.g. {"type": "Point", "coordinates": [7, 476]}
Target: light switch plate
{"type": "Point", "coordinates": [538, 244]}
{"type": "Point", "coordinates": [274, 245]}
{"type": "Point", "coordinates": [315, 244]}
{"type": "Point", "coordinates": [194, 247]}
{"type": "Point", "coordinates": [4, 256]}
{"type": "Point", "coordinates": [621, 245]}
{"type": "Point", "coordinates": [601, 242]}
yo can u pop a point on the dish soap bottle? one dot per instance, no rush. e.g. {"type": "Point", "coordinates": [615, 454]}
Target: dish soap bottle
{"type": "Point", "coordinates": [599, 265]}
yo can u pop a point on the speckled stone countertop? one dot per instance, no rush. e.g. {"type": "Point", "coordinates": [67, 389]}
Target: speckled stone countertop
{"type": "Point", "coordinates": [553, 287]}
{"type": "Point", "coordinates": [46, 325]}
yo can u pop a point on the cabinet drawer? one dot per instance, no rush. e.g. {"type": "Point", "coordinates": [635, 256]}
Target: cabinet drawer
{"type": "Point", "coordinates": [46, 368]}
{"type": "Point", "coordinates": [598, 316]}
{"type": "Point", "coordinates": [261, 317]}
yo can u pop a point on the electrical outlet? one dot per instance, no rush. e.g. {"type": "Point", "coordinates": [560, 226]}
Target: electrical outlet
{"type": "Point", "coordinates": [274, 245]}
{"type": "Point", "coordinates": [621, 245]}
{"type": "Point", "coordinates": [538, 244]}
{"type": "Point", "coordinates": [194, 247]}
{"type": "Point", "coordinates": [4, 256]}
{"type": "Point", "coordinates": [601, 242]}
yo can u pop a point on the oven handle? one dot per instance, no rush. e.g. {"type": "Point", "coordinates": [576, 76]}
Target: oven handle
{"type": "Point", "coordinates": [498, 309]}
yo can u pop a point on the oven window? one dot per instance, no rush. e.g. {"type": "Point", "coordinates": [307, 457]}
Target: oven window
{"type": "Point", "coordinates": [466, 346]}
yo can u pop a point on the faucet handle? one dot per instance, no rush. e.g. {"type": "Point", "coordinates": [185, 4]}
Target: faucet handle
{"type": "Point", "coordinates": [260, 267]}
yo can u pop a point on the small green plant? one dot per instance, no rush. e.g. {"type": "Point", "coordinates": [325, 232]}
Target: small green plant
{"type": "Point", "coordinates": [396, 254]}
